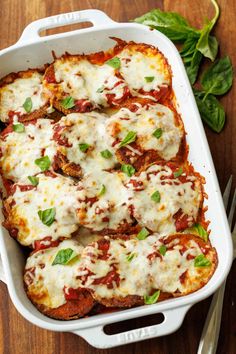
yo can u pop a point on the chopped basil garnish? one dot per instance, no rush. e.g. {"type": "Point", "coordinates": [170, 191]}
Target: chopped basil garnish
{"type": "Point", "coordinates": [143, 234]}
{"type": "Point", "coordinates": [102, 190]}
{"type": "Point", "coordinates": [157, 133]}
{"type": "Point", "coordinates": [33, 180]}
{"type": "Point", "coordinates": [47, 216]}
{"type": "Point", "coordinates": [201, 261]}
{"type": "Point", "coordinates": [114, 63]}
{"type": "Point", "coordinates": [130, 137]}
{"type": "Point", "coordinates": [18, 128]}
{"type": "Point", "coordinates": [162, 250]}
{"type": "Point", "coordinates": [131, 256]}
{"type": "Point", "coordinates": [156, 197]}
{"type": "Point", "coordinates": [64, 256]}
{"type": "Point", "coordinates": [43, 163]}
{"type": "Point", "coordinates": [152, 299]}
{"type": "Point", "coordinates": [100, 89]}
{"type": "Point", "coordinates": [68, 102]}
{"type": "Point", "coordinates": [106, 154]}
{"type": "Point", "coordinates": [28, 105]}
{"type": "Point", "coordinates": [83, 147]}
{"type": "Point", "coordinates": [178, 172]}
{"type": "Point", "coordinates": [128, 169]}
{"type": "Point", "coordinates": [149, 78]}
{"type": "Point", "coordinates": [200, 231]}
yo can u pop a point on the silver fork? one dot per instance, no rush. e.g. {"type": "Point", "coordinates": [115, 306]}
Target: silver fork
{"type": "Point", "coordinates": [210, 334]}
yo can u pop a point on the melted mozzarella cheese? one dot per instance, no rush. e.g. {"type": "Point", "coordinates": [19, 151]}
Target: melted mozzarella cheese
{"type": "Point", "coordinates": [147, 270]}
{"type": "Point", "coordinates": [13, 96]}
{"type": "Point", "coordinates": [20, 150]}
{"type": "Point", "coordinates": [174, 195]}
{"type": "Point", "coordinates": [86, 128]}
{"type": "Point", "coordinates": [145, 121]}
{"type": "Point", "coordinates": [46, 283]}
{"type": "Point", "coordinates": [135, 66]}
{"type": "Point", "coordinates": [109, 210]}
{"type": "Point", "coordinates": [59, 192]}
{"type": "Point", "coordinates": [83, 80]}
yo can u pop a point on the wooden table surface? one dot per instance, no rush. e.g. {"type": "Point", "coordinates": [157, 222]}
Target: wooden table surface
{"type": "Point", "coordinates": [19, 336]}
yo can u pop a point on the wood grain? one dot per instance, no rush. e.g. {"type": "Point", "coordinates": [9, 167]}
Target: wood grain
{"type": "Point", "coordinates": [19, 336]}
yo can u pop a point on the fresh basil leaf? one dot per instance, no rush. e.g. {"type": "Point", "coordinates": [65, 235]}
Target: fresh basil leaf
{"type": "Point", "coordinates": [43, 163]}
{"type": "Point", "coordinates": [68, 102]}
{"type": "Point", "coordinates": [47, 216]}
{"type": "Point", "coordinates": [158, 133]}
{"type": "Point", "coordinates": [102, 190]}
{"type": "Point", "coordinates": [201, 261]}
{"type": "Point", "coordinates": [178, 172]}
{"type": "Point", "coordinates": [149, 78]}
{"type": "Point", "coordinates": [173, 25]}
{"type": "Point", "coordinates": [114, 62]}
{"type": "Point", "coordinates": [33, 180]}
{"type": "Point", "coordinates": [162, 250]}
{"type": "Point", "coordinates": [83, 147]}
{"type": "Point", "coordinates": [28, 104]}
{"type": "Point", "coordinates": [131, 256]}
{"type": "Point", "coordinates": [100, 89]}
{"type": "Point", "coordinates": [130, 137]}
{"type": "Point", "coordinates": [106, 154]}
{"type": "Point", "coordinates": [128, 169]}
{"type": "Point", "coordinates": [18, 128]}
{"type": "Point", "coordinates": [207, 44]}
{"type": "Point", "coordinates": [156, 197]}
{"type": "Point", "coordinates": [143, 234]}
{"type": "Point", "coordinates": [218, 79]}
{"type": "Point", "coordinates": [64, 256]}
{"type": "Point", "coordinates": [199, 229]}
{"type": "Point", "coordinates": [211, 111]}
{"type": "Point", "coordinates": [191, 57]}
{"type": "Point", "coordinates": [152, 299]}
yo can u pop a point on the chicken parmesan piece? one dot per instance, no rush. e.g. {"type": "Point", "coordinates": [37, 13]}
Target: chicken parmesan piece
{"type": "Point", "coordinates": [42, 213]}
{"type": "Point", "coordinates": [22, 96]}
{"type": "Point", "coordinates": [124, 273]}
{"type": "Point", "coordinates": [22, 144]}
{"type": "Point", "coordinates": [51, 282]}
{"type": "Point", "coordinates": [82, 145]}
{"type": "Point", "coordinates": [105, 207]}
{"type": "Point", "coordinates": [156, 133]}
{"type": "Point", "coordinates": [145, 70]}
{"type": "Point", "coordinates": [166, 198]}
{"type": "Point", "coordinates": [77, 85]}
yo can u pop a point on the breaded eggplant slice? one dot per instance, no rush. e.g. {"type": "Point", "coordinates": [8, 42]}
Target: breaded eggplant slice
{"type": "Point", "coordinates": [22, 96]}
{"type": "Point", "coordinates": [21, 144]}
{"type": "Point", "coordinates": [145, 70]}
{"type": "Point", "coordinates": [105, 207]}
{"type": "Point", "coordinates": [166, 198]}
{"type": "Point", "coordinates": [41, 214]}
{"type": "Point", "coordinates": [157, 132]}
{"type": "Point", "coordinates": [82, 145]}
{"type": "Point", "coordinates": [51, 282]}
{"type": "Point", "coordinates": [78, 85]}
{"type": "Point", "coordinates": [126, 273]}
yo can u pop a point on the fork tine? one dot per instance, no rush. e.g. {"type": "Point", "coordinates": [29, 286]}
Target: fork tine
{"type": "Point", "coordinates": [227, 192]}
{"type": "Point", "coordinates": [232, 210]}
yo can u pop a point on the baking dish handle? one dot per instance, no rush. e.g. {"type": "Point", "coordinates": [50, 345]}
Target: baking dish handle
{"type": "Point", "coordinates": [96, 336]}
{"type": "Point", "coordinates": [2, 275]}
{"type": "Point", "coordinates": [31, 32]}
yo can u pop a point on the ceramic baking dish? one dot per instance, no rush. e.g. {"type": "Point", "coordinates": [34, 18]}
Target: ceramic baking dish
{"type": "Point", "coordinates": [33, 51]}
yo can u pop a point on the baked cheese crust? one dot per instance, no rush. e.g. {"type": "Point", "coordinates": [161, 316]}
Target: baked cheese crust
{"type": "Point", "coordinates": [55, 289]}
{"type": "Point", "coordinates": [16, 89]}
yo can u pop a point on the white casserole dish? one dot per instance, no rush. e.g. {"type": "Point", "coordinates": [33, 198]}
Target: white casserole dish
{"type": "Point", "coordinates": [33, 51]}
